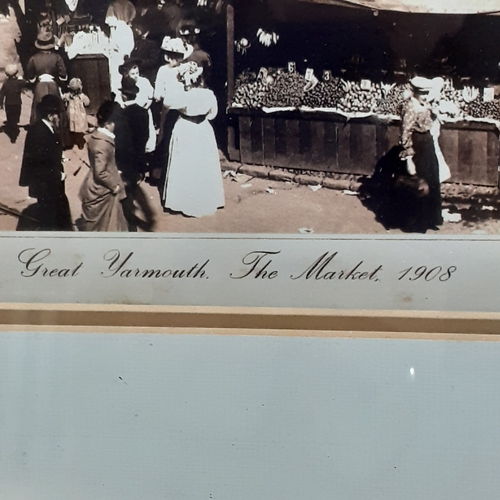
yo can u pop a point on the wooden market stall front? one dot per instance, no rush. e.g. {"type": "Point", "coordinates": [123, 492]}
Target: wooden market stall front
{"type": "Point", "coordinates": [330, 142]}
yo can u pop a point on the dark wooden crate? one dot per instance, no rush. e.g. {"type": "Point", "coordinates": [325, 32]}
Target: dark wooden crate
{"type": "Point", "coordinates": [294, 141]}
{"type": "Point", "coordinates": [330, 143]}
{"type": "Point", "coordinates": [472, 152]}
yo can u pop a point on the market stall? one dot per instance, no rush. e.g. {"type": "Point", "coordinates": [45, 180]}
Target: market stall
{"type": "Point", "coordinates": [324, 92]}
{"type": "Point", "coordinates": [94, 37]}
{"type": "Point", "coordinates": [82, 39]}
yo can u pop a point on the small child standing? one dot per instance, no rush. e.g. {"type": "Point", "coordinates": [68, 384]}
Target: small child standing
{"type": "Point", "coordinates": [10, 99]}
{"type": "Point", "coordinates": [76, 102]}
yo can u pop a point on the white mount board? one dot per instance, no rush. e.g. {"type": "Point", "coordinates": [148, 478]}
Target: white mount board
{"type": "Point", "coordinates": [127, 417]}
{"type": "Point", "coordinates": [341, 272]}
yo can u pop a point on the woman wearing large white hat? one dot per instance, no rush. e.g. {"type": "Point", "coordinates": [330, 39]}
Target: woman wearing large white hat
{"type": "Point", "coordinates": [174, 51]}
{"type": "Point", "coordinates": [167, 90]}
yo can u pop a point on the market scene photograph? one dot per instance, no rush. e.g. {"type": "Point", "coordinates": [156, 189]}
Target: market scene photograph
{"type": "Point", "coordinates": [250, 116]}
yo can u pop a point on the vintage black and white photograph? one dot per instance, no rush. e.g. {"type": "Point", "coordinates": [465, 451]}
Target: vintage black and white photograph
{"type": "Point", "coordinates": [250, 116]}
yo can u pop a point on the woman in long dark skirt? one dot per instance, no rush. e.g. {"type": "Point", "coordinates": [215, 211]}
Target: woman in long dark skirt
{"type": "Point", "coordinates": [46, 70]}
{"type": "Point", "coordinates": [419, 128]}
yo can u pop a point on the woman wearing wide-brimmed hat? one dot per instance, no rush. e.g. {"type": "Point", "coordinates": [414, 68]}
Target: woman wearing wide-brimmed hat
{"type": "Point", "coordinates": [167, 89]}
{"type": "Point", "coordinates": [45, 70]}
{"type": "Point", "coordinates": [420, 131]}
{"type": "Point", "coordinates": [167, 84]}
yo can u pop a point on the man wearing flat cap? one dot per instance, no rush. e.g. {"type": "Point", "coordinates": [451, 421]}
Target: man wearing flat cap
{"type": "Point", "coordinates": [42, 168]}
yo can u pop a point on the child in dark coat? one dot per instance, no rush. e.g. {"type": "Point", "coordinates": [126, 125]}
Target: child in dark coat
{"type": "Point", "coordinates": [10, 99]}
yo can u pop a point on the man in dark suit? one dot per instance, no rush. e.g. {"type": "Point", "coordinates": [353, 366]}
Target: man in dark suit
{"type": "Point", "coordinates": [42, 169]}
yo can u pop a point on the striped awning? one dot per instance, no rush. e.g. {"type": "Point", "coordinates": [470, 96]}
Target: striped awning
{"type": "Point", "coordinates": [421, 6]}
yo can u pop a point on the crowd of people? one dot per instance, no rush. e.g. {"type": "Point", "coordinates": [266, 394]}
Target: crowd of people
{"type": "Point", "coordinates": [155, 128]}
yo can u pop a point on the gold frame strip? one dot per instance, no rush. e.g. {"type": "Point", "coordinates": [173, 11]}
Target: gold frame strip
{"type": "Point", "coordinates": [243, 321]}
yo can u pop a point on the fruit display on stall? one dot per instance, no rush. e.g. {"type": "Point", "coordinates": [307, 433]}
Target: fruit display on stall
{"type": "Point", "coordinates": [278, 88]}
{"type": "Point", "coordinates": [392, 99]}
{"type": "Point", "coordinates": [358, 100]}
{"type": "Point", "coordinates": [250, 91]}
{"type": "Point", "coordinates": [285, 89]}
{"type": "Point", "coordinates": [479, 108]}
{"type": "Point", "coordinates": [324, 94]}
{"type": "Point", "coordinates": [459, 97]}
{"type": "Point", "coordinates": [269, 88]}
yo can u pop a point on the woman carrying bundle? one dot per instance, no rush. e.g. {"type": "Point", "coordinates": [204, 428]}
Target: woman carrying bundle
{"type": "Point", "coordinates": [424, 160]}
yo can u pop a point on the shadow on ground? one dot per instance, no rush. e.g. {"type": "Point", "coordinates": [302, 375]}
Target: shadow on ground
{"type": "Point", "coordinates": [379, 194]}
{"type": "Point", "coordinates": [28, 220]}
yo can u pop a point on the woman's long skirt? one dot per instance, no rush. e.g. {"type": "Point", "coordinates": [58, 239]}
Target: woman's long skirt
{"type": "Point", "coordinates": [101, 210]}
{"type": "Point", "coordinates": [193, 183]}
{"type": "Point", "coordinates": [429, 207]}
{"type": "Point", "coordinates": [420, 209]}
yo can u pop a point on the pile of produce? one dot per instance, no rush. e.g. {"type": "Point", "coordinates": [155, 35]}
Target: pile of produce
{"type": "Point", "coordinates": [278, 88]}
{"type": "Point", "coordinates": [470, 102]}
{"type": "Point", "coordinates": [324, 94]}
{"type": "Point", "coordinates": [356, 100]}
{"type": "Point", "coordinates": [269, 88]}
{"type": "Point", "coordinates": [392, 99]}
{"type": "Point", "coordinates": [285, 89]}
{"type": "Point", "coordinates": [481, 109]}
{"type": "Point", "coordinates": [460, 97]}
{"type": "Point", "coordinates": [250, 91]}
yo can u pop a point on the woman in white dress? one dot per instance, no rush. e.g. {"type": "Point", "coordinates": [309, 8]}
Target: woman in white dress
{"type": "Point", "coordinates": [193, 184]}
{"type": "Point", "coordinates": [167, 87]}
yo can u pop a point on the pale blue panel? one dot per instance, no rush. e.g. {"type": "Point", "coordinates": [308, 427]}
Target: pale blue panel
{"type": "Point", "coordinates": [129, 417]}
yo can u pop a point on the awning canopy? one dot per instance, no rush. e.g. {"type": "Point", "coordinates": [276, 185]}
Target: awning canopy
{"type": "Point", "coordinates": [421, 6]}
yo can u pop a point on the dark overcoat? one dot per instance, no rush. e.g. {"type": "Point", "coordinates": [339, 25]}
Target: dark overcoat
{"type": "Point", "coordinates": [45, 62]}
{"type": "Point", "coordinates": [42, 172]}
{"type": "Point", "coordinates": [42, 168]}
